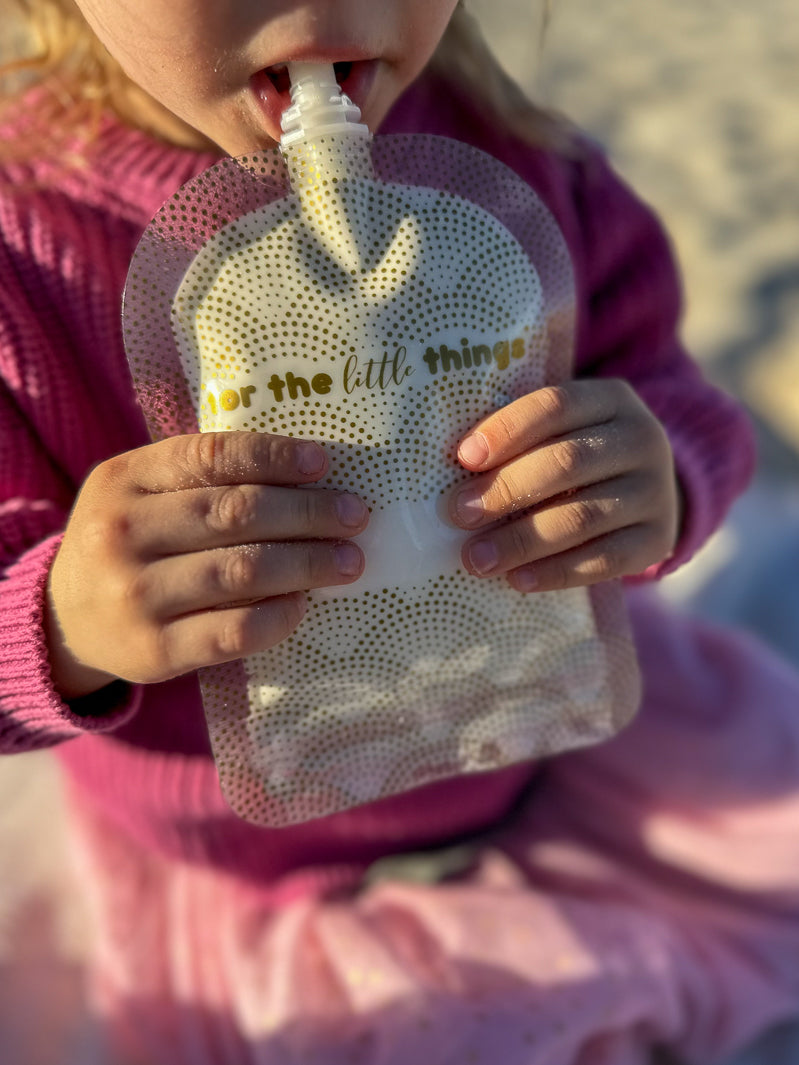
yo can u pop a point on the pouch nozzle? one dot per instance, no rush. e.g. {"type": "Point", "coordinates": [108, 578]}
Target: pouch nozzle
{"type": "Point", "coordinates": [318, 106]}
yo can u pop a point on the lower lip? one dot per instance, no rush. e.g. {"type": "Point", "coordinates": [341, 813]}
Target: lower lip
{"type": "Point", "coordinates": [357, 86]}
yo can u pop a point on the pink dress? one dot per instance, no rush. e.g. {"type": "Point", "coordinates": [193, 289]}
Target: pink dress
{"type": "Point", "coordinates": [639, 894]}
{"type": "Point", "coordinates": [644, 893]}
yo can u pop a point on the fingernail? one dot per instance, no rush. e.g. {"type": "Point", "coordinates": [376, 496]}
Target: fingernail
{"type": "Point", "coordinates": [474, 449]}
{"type": "Point", "coordinates": [483, 556]}
{"type": "Point", "coordinates": [351, 511]}
{"type": "Point", "coordinates": [469, 507]}
{"type": "Point", "coordinates": [524, 580]}
{"type": "Point", "coordinates": [310, 458]}
{"type": "Point", "coordinates": [348, 560]}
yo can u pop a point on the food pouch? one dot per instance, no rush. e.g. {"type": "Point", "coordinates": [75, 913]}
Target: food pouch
{"type": "Point", "coordinates": [379, 295]}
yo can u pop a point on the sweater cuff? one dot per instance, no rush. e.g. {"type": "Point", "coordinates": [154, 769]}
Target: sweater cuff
{"type": "Point", "coordinates": [32, 713]}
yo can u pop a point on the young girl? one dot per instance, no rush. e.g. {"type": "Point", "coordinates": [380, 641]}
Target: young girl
{"type": "Point", "coordinates": [637, 895]}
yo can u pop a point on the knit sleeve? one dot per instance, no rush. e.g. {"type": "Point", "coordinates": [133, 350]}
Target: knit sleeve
{"type": "Point", "coordinates": [35, 498]}
{"type": "Point", "coordinates": [631, 305]}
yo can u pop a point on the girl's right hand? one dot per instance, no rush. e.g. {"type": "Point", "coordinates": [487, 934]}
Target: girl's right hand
{"type": "Point", "coordinates": [194, 551]}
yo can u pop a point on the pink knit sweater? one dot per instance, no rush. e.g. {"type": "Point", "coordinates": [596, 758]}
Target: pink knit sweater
{"type": "Point", "coordinates": [66, 402]}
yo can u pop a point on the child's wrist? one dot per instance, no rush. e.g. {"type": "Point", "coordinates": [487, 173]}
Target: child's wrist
{"type": "Point", "coordinates": [71, 679]}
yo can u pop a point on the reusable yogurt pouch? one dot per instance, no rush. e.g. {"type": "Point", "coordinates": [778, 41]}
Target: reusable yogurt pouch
{"type": "Point", "coordinates": [379, 295]}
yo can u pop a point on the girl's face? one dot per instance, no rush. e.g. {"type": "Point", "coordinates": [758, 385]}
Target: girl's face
{"type": "Point", "coordinates": [219, 65]}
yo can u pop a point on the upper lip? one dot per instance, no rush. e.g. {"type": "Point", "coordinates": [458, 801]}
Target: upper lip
{"type": "Point", "coordinates": [316, 54]}
{"type": "Point", "coordinates": [278, 70]}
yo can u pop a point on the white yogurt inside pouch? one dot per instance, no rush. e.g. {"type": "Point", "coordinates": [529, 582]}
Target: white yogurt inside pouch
{"type": "Point", "coordinates": [379, 295]}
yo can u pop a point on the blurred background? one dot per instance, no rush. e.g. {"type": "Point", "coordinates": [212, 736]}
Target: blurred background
{"type": "Point", "coordinates": [697, 105]}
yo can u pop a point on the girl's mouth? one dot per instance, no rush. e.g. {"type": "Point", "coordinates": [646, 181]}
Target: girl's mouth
{"type": "Point", "coordinates": [279, 76]}
{"type": "Point", "coordinates": [272, 87]}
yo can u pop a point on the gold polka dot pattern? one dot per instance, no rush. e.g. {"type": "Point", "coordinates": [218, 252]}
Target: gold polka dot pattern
{"type": "Point", "coordinates": [379, 298]}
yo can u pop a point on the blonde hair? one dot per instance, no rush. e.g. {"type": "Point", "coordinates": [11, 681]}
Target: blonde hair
{"type": "Point", "coordinates": [74, 81]}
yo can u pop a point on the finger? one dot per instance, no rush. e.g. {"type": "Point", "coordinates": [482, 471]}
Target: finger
{"type": "Point", "coordinates": [569, 463]}
{"type": "Point", "coordinates": [549, 530]}
{"type": "Point", "coordinates": [204, 460]}
{"type": "Point", "coordinates": [203, 518]}
{"type": "Point", "coordinates": [207, 580]}
{"type": "Point", "coordinates": [212, 637]}
{"type": "Point", "coordinates": [539, 416]}
{"type": "Point", "coordinates": [621, 553]}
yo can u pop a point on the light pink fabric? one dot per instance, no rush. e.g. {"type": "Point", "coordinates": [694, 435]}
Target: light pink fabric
{"type": "Point", "coordinates": [647, 892]}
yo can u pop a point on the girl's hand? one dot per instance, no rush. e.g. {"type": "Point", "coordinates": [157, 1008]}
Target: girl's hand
{"type": "Point", "coordinates": [584, 472]}
{"type": "Point", "coordinates": [193, 551]}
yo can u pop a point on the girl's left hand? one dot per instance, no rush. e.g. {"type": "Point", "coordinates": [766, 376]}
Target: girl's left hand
{"type": "Point", "coordinates": [583, 474]}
